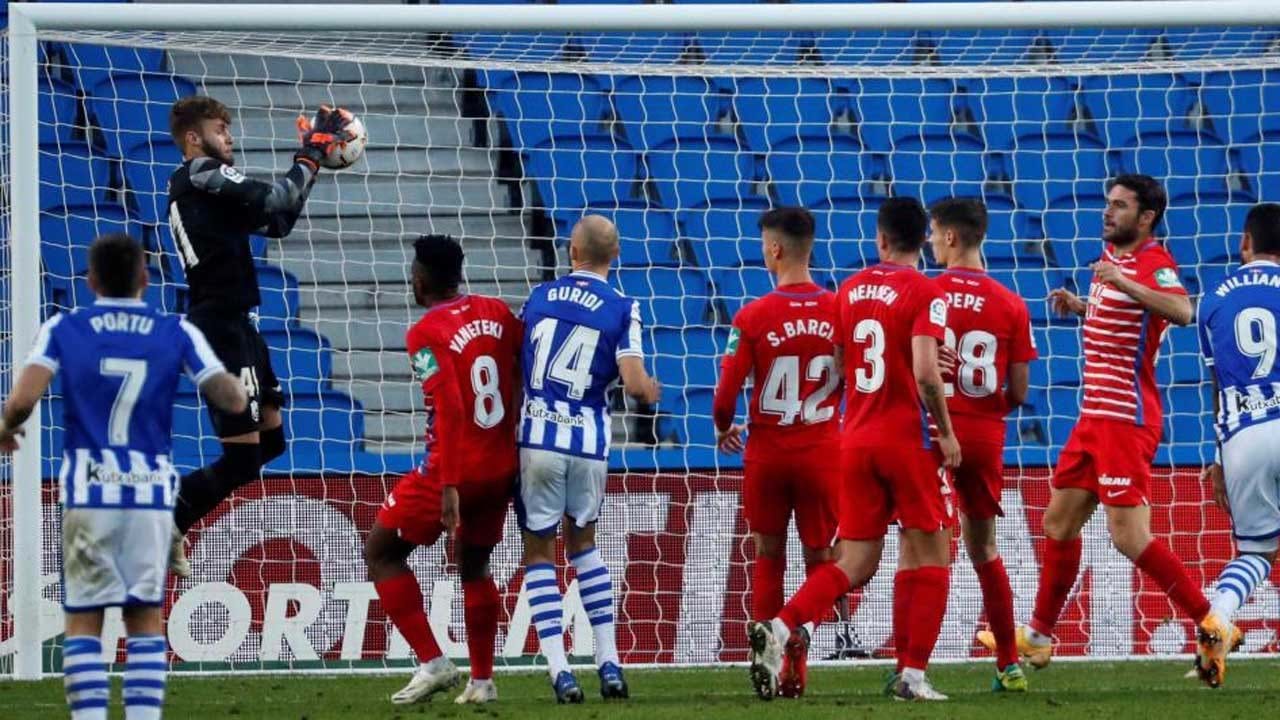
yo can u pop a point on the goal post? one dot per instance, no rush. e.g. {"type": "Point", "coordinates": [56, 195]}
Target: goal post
{"type": "Point", "coordinates": [502, 125]}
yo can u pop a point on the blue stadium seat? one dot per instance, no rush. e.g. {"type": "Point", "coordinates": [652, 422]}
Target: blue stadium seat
{"type": "Point", "coordinates": [1075, 230]}
{"type": "Point", "coordinates": [647, 236]}
{"type": "Point", "coordinates": [59, 111]}
{"type": "Point", "coordinates": [1033, 286]}
{"type": "Point", "coordinates": [162, 294]}
{"type": "Point", "coordinates": [323, 424]}
{"type": "Point", "coordinates": [146, 174]}
{"type": "Point", "coordinates": [1204, 233]}
{"type": "Point", "coordinates": [572, 173]}
{"type": "Point", "coordinates": [301, 358]}
{"type": "Point", "coordinates": [845, 235]}
{"type": "Point", "coordinates": [67, 232]}
{"type": "Point", "coordinates": [195, 442]}
{"type": "Point", "coordinates": [1191, 175]}
{"type": "Point", "coordinates": [280, 298]}
{"type": "Point", "coordinates": [914, 109]}
{"type": "Point", "coordinates": [771, 110]}
{"type": "Point", "coordinates": [540, 107]}
{"type": "Point", "coordinates": [938, 167]}
{"type": "Point", "coordinates": [690, 173]}
{"type": "Point", "coordinates": [94, 64]}
{"type": "Point", "coordinates": [813, 170]}
{"type": "Point", "coordinates": [750, 48]}
{"type": "Point", "coordinates": [725, 235]}
{"type": "Point", "coordinates": [667, 296]}
{"type": "Point", "coordinates": [702, 351]}
{"type": "Point", "coordinates": [1129, 106]}
{"type": "Point", "coordinates": [1091, 45]}
{"type": "Point", "coordinates": [1045, 175]}
{"type": "Point", "coordinates": [72, 174]}
{"type": "Point", "coordinates": [133, 110]}
{"type": "Point", "coordinates": [1239, 104]}
{"type": "Point", "coordinates": [740, 285]}
{"type": "Point", "coordinates": [655, 110]}
{"type": "Point", "coordinates": [1061, 356]}
{"type": "Point", "coordinates": [637, 47]}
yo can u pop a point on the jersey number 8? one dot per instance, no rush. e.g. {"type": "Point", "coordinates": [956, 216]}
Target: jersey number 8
{"type": "Point", "coordinates": [977, 371]}
{"type": "Point", "coordinates": [486, 385]}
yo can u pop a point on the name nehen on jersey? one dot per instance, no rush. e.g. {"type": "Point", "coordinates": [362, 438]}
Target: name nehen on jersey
{"type": "Point", "coordinates": [1238, 340]}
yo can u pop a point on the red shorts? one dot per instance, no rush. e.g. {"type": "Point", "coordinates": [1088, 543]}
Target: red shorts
{"type": "Point", "coordinates": [1110, 459]}
{"type": "Point", "coordinates": [413, 509]}
{"type": "Point", "coordinates": [882, 483]}
{"type": "Point", "coordinates": [979, 479]}
{"type": "Point", "coordinates": [806, 484]}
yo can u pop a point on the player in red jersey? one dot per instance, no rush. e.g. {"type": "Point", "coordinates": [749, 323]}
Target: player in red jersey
{"type": "Point", "coordinates": [464, 351]}
{"type": "Point", "coordinates": [890, 323]}
{"type": "Point", "coordinates": [989, 330]}
{"type": "Point", "coordinates": [1134, 296]}
{"type": "Point", "coordinates": [787, 340]}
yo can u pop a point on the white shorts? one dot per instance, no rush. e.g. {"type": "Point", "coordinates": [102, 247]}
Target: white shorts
{"type": "Point", "coordinates": [553, 485]}
{"type": "Point", "coordinates": [1251, 469]}
{"type": "Point", "coordinates": [114, 557]}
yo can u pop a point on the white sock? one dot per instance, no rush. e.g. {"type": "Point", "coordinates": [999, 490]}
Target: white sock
{"type": "Point", "coordinates": [144, 677]}
{"type": "Point", "coordinates": [1236, 584]}
{"type": "Point", "coordinates": [85, 677]}
{"type": "Point", "coordinates": [547, 607]}
{"type": "Point", "coordinates": [596, 588]}
{"type": "Point", "coordinates": [780, 631]}
{"type": "Point", "coordinates": [912, 676]}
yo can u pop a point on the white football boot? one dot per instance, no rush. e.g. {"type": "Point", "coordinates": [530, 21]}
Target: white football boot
{"type": "Point", "coordinates": [766, 659]}
{"type": "Point", "coordinates": [916, 689]}
{"type": "Point", "coordinates": [178, 563]}
{"type": "Point", "coordinates": [478, 692]}
{"type": "Point", "coordinates": [436, 676]}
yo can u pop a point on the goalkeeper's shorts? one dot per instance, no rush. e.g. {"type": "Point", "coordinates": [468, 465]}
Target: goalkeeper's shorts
{"type": "Point", "coordinates": [807, 484]}
{"type": "Point", "coordinates": [114, 557]}
{"type": "Point", "coordinates": [1251, 469]}
{"type": "Point", "coordinates": [414, 507]}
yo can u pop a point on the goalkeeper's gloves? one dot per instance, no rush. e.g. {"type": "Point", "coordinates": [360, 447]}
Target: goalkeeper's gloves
{"type": "Point", "coordinates": [319, 136]}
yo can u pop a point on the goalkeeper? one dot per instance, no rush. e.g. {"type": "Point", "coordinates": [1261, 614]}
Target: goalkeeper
{"type": "Point", "coordinates": [213, 208]}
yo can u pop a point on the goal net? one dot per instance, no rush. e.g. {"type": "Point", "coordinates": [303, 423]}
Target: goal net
{"type": "Point", "coordinates": [505, 139]}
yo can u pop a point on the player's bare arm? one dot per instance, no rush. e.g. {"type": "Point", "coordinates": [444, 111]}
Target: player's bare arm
{"type": "Point", "coordinates": [27, 391]}
{"type": "Point", "coordinates": [924, 363]}
{"type": "Point", "coordinates": [637, 382]}
{"type": "Point", "coordinates": [1063, 302]}
{"type": "Point", "coordinates": [1174, 307]}
{"type": "Point", "coordinates": [1019, 383]}
{"type": "Point", "coordinates": [1212, 473]}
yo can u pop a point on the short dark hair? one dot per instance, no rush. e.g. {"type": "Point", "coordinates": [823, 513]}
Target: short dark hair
{"type": "Point", "coordinates": [1151, 194]}
{"type": "Point", "coordinates": [187, 113]}
{"type": "Point", "coordinates": [794, 223]}
{"type": "Point", "coordinates": [115, 260]}
{"type": "Point", "coordinates": [903, 222]}
{"type": "Point", "coordinates": [965, 215]}
{"type": "Point", "coordinates": [1263, 225]}
{"type": "Point", "coordinates": [439, 259]}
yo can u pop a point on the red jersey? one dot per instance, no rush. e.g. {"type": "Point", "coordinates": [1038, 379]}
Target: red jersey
{"type": "Point", "coordinates": [787, 338]}
{"type": "Point", "coordinates": [989, 327]}
{"type": "Point", "coordinates": [1121, 339]}
{"type": "Point", "coordinates": [464, 352]}
{"type": "Point", "coordinates": [880, 310]}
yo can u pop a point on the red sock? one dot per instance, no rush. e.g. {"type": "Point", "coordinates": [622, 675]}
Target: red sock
{"type": "Point", "coordinates": [402, 602]}
{"type": "Point", "coordinates": [1159, 562]}
{"type": "Point", "coordinates": [766, 587]}
{"type": "Point", "coordinates": [928, 605]}
{"type": "Point", "coordinates": [480, 611]}
{"type": "Point", "coordinates": [997, 598]}
{"type": "Point", "coordinates": [820, 591]}
{"type": "Point", "coordinates": [902, 586]}
{"type": "Point", "coordinates": [1061, 565]}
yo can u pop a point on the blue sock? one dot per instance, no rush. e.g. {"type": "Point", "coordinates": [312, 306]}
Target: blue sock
{"type": "Point", "coordinates": [547, 608]}
{"type": "Point", "coordinates": [144, 677]}
{"type": "Point", "coordinates": [596, 588]}
{"type": "Point", "coordinates": [1236, 584]}
{"type": "Point", "coordinates": [85, 677]}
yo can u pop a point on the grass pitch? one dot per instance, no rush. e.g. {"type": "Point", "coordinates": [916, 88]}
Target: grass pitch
{"type": "Point", "coordinates": [1126, 690]}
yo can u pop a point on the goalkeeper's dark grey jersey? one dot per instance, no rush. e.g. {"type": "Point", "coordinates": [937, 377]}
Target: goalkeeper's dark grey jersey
{"type": "Point", "coordinates": [213, 208]}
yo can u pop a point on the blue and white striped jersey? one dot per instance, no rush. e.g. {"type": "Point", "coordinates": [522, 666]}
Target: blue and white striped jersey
{"type": "Point", "coordinates": [1238, 340]}
{"type": "Point", "coordinates": [120, 362]}
{"type": "Point", "coordinates": [575, 330]}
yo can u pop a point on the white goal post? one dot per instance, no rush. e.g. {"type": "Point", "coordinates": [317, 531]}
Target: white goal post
{"type": "Point", "coordinates": [114, 24]}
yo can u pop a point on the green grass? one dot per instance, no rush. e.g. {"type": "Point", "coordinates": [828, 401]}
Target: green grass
{"type": "Point", "coordinates": [1127, 690]}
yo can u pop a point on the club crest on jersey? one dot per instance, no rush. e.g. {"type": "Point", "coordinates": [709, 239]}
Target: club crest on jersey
{"type": "Point", "coordinates": [231, 174]}
{"type": "Point", "coordinates": [424, 365]}
{"type": "Point", "coordinates": [1166, 277]}
{"type": "Point", "coordinates": [938, 312]}
{"type": "Point", "coordinates": [731, 348]}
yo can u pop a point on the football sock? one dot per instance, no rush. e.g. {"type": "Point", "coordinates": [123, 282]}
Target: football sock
{"type": "Point", "coordinates": [480, 605]}
{"type": "Point", "coordinates": [997, 598]}
{"type": "Point", "coordinates": [767, 575]}
{"type": "Point", "coordinates": [144, 677]}
{"type": "Point", "coordinates": [1236, 584]}
{"type": "Point", "coordinates": [901, 601]}
{"type": "Point", "coordinates": [85, 677]}
{"type": "Point", "coordinates": [271, 444]}
{"type": "Point", "coordinates": [816, 596]}
{"type": "Point", "coordinates": [200, 491]}
{"type": "Point", "coordinates": [1061, 564]}
{"type": "Point", "coordinates": [596, 588]}
{"type": "Point", "coordinates": [543, 591]}
{"type": "Point", "coordinates": [929, 588]}
{"type": "Point", "coordinates": [402, 602]}
{"type": "Point", "coordinates": [1159, 562]}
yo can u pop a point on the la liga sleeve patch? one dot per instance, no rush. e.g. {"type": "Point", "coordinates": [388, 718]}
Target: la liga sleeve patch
{"type": "Point", "coordinates": [938, 312]}
{"type": "Point", "coordinates": [1166, 277]}
{"type": "Point", "coordinates": [731, 347]}
{"type": "Point", "coordinates": [425, 365]}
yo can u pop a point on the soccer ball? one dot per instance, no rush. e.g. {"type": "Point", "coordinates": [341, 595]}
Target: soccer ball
{"type": "Point", "coordinates": [347, 152]}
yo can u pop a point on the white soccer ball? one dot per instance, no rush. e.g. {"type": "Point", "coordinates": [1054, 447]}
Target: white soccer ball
{"type": "Point", "coordinates": [346, 153]}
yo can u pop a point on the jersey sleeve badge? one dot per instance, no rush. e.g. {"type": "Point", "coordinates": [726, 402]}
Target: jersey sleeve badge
{"type": "Point", "coordinates": [425, 365]}
{"type": "Point", "coordinates": [731, 347]}
{"type": "Point", "coordinates": [938, 312]}
{"type": "Point", "coordinates": [1166, 277]}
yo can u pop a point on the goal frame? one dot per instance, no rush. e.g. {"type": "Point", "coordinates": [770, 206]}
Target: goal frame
{"type": "Point", "coordinates": [27, 21]}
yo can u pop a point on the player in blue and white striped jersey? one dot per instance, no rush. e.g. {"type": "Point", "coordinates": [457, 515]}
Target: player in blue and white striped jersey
{"type": "Point", "coordinates": [580, 337]}
{"type": "Point", "coordinates": [120, 362]}
{"type": "Point", "coordinates": [1238, 321]}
